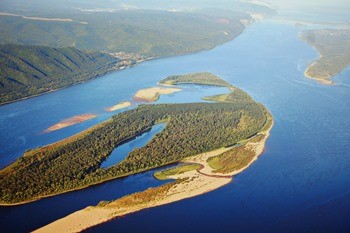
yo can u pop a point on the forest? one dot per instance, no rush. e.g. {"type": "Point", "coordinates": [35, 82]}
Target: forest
{"type": "Point", "coordinates": [74, 163]}
{"type": "Point", "coordinates": [149, 33]}
{"type": "Point", "coordinates": [203, 78]}
{"type": "Point", "coordinates": [31, 70]}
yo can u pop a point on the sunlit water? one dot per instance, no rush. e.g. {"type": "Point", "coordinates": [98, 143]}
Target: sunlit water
{"type": "Point", "coordinates": [305, 168]}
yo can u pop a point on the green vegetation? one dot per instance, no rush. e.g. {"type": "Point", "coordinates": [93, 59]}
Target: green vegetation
{"type": "Point", "coordinates": [146, 32]}
{"type": "Point", "coordinates": [164, 174]}
{"type": "Point", "coordinates": [32, 70]}
{"type": "Point", "coordinates": [236, 96]}
{"type": "Point", "coordinates": [239, 156]}
{"type": "Point", "coordinates": [75, 162]}
{"type": "Point", "coordinates": [196, 78]}
{"type": "Point", "coordinates": [232, 160]}
{"type": "Point", "coordinates": [334, 48]}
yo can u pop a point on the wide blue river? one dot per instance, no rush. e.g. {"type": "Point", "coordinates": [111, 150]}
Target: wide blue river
{"type": "Point", "coordinates": [301, 183]}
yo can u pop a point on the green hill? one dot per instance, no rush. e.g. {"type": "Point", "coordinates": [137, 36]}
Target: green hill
{"type": "Point", "coordinates": [32, 70]}
{"type": "Point", "coordinates": [146, 32]}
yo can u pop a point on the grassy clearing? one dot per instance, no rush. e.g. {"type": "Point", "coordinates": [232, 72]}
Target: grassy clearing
{"type": "Point", "coordinates": [232, 160]}
{"type": "Point", "coordinates": [164, 174]}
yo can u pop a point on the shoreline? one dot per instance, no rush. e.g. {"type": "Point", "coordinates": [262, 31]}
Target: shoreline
{"type": "Point", "coordinates": [61, 88]}
{"type": "Point", "coordinates": [186, 185]}
{"type": "Point", "coordinates": [323, 81]}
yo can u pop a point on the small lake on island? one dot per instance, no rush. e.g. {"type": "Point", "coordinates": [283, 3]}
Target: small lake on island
{"type": "Point", "coordinates": [304, 170]}
{"type": "Point", "coordinates": [120, 152]}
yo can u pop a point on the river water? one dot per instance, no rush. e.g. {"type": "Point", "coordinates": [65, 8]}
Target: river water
{"type": "Point", "coordinates": [300, 183]}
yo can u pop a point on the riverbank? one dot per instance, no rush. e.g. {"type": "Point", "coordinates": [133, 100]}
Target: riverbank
{"type": "Point", "coordinates": [188, 184]}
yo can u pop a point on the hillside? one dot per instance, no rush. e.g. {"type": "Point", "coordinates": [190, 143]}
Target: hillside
{"type": "Point", "coordinates": [146, 32]}
{"type": "Point", "coordinates": [33, 70]}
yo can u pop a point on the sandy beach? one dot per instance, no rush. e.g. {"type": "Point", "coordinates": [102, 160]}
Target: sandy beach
{"type": "Point", "coordinates": [70, 121]}
{"type": "Point", "coordinates": [152, 94]}
{"type": "Point", "coordinates": [188, 184]}
{"type": "Point", "coordinates": [121, 105]}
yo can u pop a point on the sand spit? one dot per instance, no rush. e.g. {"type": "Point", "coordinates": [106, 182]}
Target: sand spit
{"type": "Point", "coordinates": [311, 75]}
{"type": "Point", "coordinates": [189, 184]}
{"type": "Point", "coordinates": [70, 121]}
{"type": "Point", "coordinates": [121, 105]}
{"type": "Point", "coordinates": [152, 94]}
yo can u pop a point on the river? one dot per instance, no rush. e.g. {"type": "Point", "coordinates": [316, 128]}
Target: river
{"type": "Point", "coordinates": [300, 182]}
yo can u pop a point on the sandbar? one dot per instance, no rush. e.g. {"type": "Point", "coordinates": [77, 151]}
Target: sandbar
{"type": "Point", "coordinates": [152, 94]}
{"type": "Point", "coordinates": [70, 121]}
{"type": "Point", "coordinates": [188, 184]}
{"type": "Point", "coordinates": [121, 105]}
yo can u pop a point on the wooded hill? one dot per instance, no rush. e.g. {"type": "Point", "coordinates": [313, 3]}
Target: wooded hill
{"type": "Point", "coordinates": [147, 32]}
{"type": "Point", "coordinates": [32, 70]}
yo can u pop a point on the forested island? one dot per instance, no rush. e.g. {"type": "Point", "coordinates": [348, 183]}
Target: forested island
{"type": "Point", "coordinates": [196, 78]}
{"type": "Point", "coordinates": [74, 163]}
{"type": "Point", "coordinates": [31, 70]}
{"type": "Point", "coordinates": [197, 174]}
{"type": "Point", "coordinates": [333, 46]}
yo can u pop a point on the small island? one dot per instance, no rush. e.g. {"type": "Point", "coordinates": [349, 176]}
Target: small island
{"type": "Point", "coordinates": [152, 94]}
{"type": "Point", "coordinates": [121, 105]}
{"type": "Point", "coordinates": [69, 122]}
{"type": "Point", "coordinates": [203, 78]}
{"type": "Point", "coordinates": [333, 45]}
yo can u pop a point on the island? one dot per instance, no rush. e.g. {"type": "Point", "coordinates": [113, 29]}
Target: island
{"type": "Point", "coordinates": [152, 94]}
{"type": "Point", "coordinates": [203, 78]}
{"type": "Point", "coordinates": [194, 176]}
{"type": "Point", "coordinates": [121, 105]}
{"type": "Point", "coordinates": [333, 45]}
{"type": "Point", "coordinates": [229, 122]}
{"type": "Point", "coordinates": [70, 121]}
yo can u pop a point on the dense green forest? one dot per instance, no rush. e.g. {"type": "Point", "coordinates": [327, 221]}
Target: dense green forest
{"type": "Point", "coordinates": [75, 162]}
{"type": "Point", "coordinates": [203, 78]}
{"type": "Point", "coordinates": [32, 70]}
{"type": "Point", "coordinates": [146, 32]}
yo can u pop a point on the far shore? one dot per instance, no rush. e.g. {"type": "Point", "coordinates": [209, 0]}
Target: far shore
{"type": "Point", "coordinates": [188, 184]}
